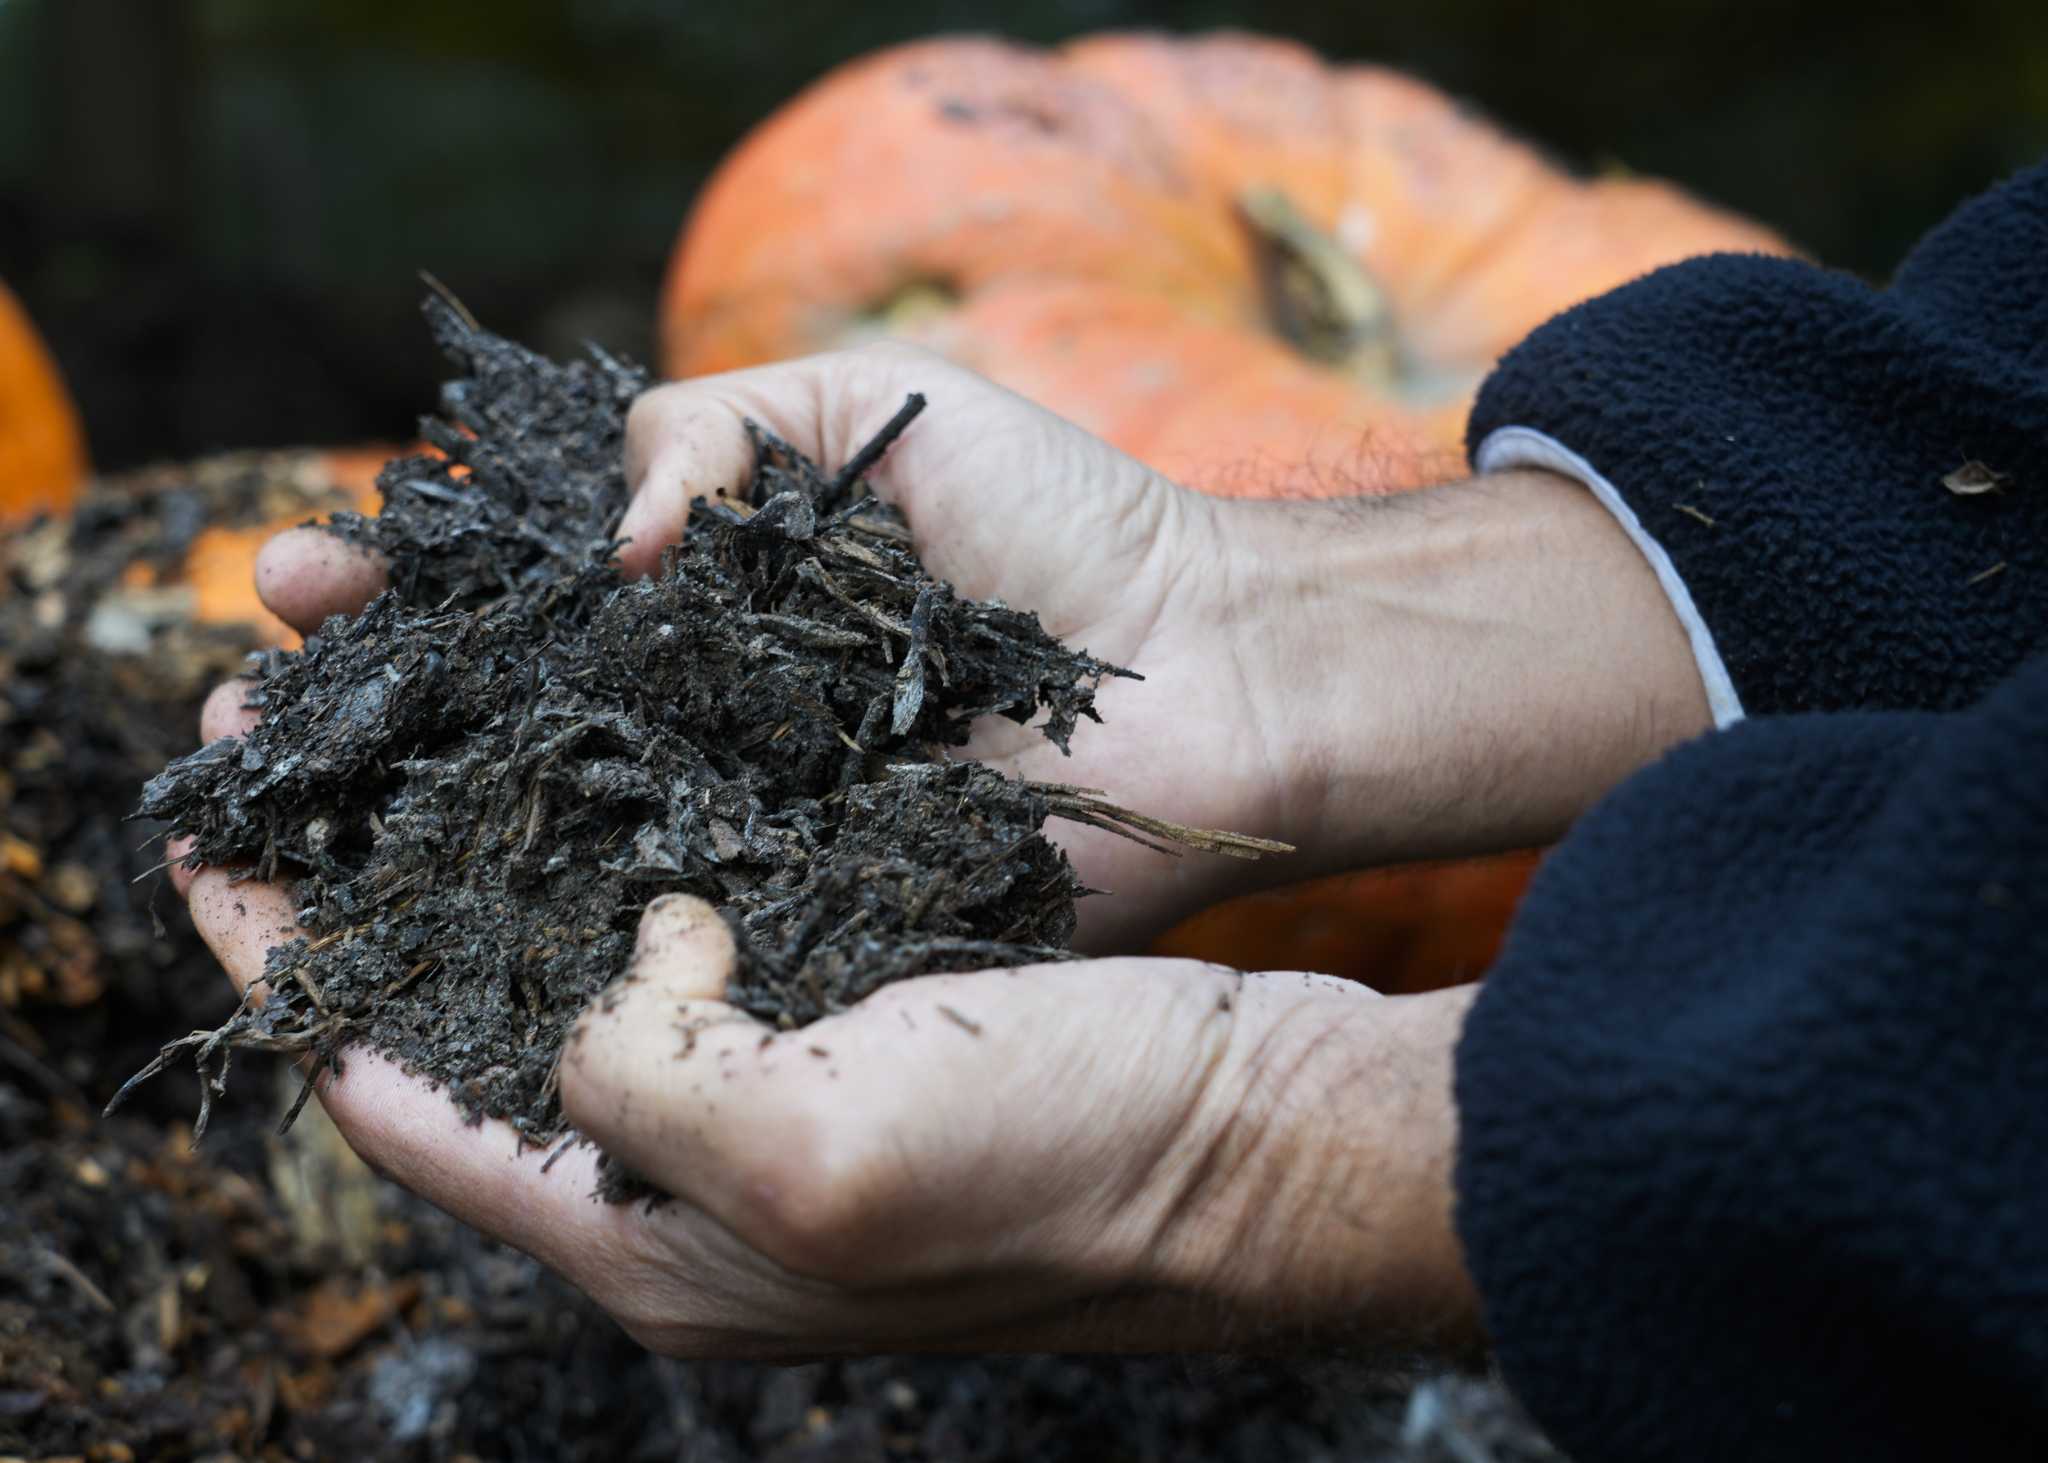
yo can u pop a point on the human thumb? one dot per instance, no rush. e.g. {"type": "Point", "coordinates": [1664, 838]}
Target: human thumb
{"type": "Point", "coordinates": [684, 948]}
{"type": "Point", "coordinates": [619, 1067]}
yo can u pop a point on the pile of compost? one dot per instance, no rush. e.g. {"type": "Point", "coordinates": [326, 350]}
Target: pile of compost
{"type": "Point", "coordinates": [480, 782]}
{"type": "Point", "coordinates": [104, 663]}
{"type": "Point", "coordinates": [265, 1297]}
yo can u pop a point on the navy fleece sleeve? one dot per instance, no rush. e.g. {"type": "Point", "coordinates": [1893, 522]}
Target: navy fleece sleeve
{"type": "Point", "coordinates": [1754, 1107]}
{"type": "Point", "coordinates": [1784, 432]}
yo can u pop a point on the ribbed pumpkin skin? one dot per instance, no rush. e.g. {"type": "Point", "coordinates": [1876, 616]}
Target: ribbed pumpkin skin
{"type": "Point", "coordinates": [1070, 219]}
{"type": "Point", "coordinates": [42, 450]}
{"type": "Point", "coordinates": [1070, 223]}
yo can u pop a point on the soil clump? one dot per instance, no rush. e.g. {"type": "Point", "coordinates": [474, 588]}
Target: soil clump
{"type": "Point", "coordinates": [480, 782]}
{"type": "Point", "coordinates": [162, 1303]}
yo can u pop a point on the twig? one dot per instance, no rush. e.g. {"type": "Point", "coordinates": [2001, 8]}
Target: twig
{"type": "Point", "coordinates": [304, 977]}
{"type": "Point", "coordinates": [857, 466]}
{"type": "Point", "coordinates": [298, 1106]}
{"type": "Point", "coordinates": [560, 1148]}
{"type": "Point", "coordinates": [1080, 805]}
{"type": "Point", "coordinates": [880, 528]}
{"type": "Point", "coordinates": [77, 1278]}
{"type": "Point", "coordinates": [448, 298]}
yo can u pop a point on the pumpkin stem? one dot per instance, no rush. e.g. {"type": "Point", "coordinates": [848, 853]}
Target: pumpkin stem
{"type": "Point", "coordinates": [1322, 301]}
{"type": "Point", "coordinates": [914, 305]}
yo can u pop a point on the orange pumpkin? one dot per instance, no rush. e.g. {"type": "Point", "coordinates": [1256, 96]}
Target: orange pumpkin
{"type": "Point", "coordinates": [1417, 928]}
{"type": "Point", "coordinates": [1264, 275]}
{"type": "Point", "coordinates": [42, 451]}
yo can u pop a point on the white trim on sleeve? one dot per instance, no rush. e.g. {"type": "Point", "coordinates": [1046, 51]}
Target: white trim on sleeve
{"type": "Point", "coordinates": [1510, 447]}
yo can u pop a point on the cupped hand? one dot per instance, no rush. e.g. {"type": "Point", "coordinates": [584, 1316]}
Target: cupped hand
{"type": "Point", "coordinates": [1009, 501]}
{"type": "Point", "coordinates": [1450, 672]}
{"type": "Point", "coordinates": [901, 1175]}
{"type": "Point", "coordinates": [1111, 1155]}
{"type": "Point", "coordinates": [1116, 1153]}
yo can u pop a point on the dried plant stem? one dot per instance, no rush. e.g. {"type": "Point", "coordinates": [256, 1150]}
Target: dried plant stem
{"type": "Point", "coordinates": [1087, 805]}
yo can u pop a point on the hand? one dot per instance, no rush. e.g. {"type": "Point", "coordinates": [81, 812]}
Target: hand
{"type": "Point", "coordinates": [1130, 1153]}
{"type": "Point", "coordinates": [1452, 672]}
{"type": "Point", "coordinates": [1115, 1155]}
{"type": "Point", "coordinates": [1008, 501]}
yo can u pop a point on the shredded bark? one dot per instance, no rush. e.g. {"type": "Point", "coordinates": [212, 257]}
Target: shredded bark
{"type": "Point", "coordinates": [479, 783]}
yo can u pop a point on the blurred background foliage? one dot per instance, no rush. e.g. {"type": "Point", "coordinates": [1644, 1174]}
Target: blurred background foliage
{"type": "Point", "coordinates": [215, 208]}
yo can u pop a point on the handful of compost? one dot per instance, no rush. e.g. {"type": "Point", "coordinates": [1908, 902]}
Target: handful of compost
{"type": "Point", "coordinates": [479, 783]}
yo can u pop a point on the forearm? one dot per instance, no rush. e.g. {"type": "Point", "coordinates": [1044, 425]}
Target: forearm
{"type": "Point", "coordinates": [1465, 670]}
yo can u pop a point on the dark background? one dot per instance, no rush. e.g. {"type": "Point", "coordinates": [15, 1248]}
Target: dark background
{"type": "Point", "coordinates": [215, 208]}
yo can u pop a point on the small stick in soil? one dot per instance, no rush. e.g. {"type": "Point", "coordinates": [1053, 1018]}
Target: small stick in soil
{"type": "Point", "coordinates": [1086, 805]}
{"type": "Point", "coordinates": [857, 466]}
{"type": "Point", "coordinates": [76, 1278]}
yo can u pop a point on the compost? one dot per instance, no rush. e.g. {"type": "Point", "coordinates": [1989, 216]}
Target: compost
{"type": "Point", "coordinates": [264, 1296]}
{"type": "Point", "coordinates": [480, 781]}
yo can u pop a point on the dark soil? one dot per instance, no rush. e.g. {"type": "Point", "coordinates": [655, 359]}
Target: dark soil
{"type": "Point", "coordinates": [266, 1298]}
{"type": "Point", "coordinates": [102, 670]}
{"type": "Point", "coordinates": [480, 782]}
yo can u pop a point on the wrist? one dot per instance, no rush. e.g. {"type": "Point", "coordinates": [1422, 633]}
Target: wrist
{"type": "Point", "coordinates": [1475, 666]}
{"type": "Point", "coordinates": [1312, 1197]}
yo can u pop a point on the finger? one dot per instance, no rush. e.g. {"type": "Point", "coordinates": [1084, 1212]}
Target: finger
{"type": "Point", "coordinates": [684, 948]}
{"type": "Point", "coordinates": [681, 444]}
{"type": "Point", "coordinates": [620, 1061]}
{"type": "Point", "coordinates": [240, 920]}
{"type": "Point", "coordinates": [225, 714]}
{"type": "Point", "coordinates": [688, 439]}
{"type": "Point", "coordinates": [182, 874]}
{"type": "Point", "coordinates": [484, 1175]}
{"type": "Point", "coordinates": [1090, 503]}
{"type": "Point", "coordinates": [222, 715]}
{"type": "Point", "coordinates": [720, 1110]}
{"type": "Point", "coordinates": [937, 1123]}
{"type": "Point", "coordinates": [306, 574]}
